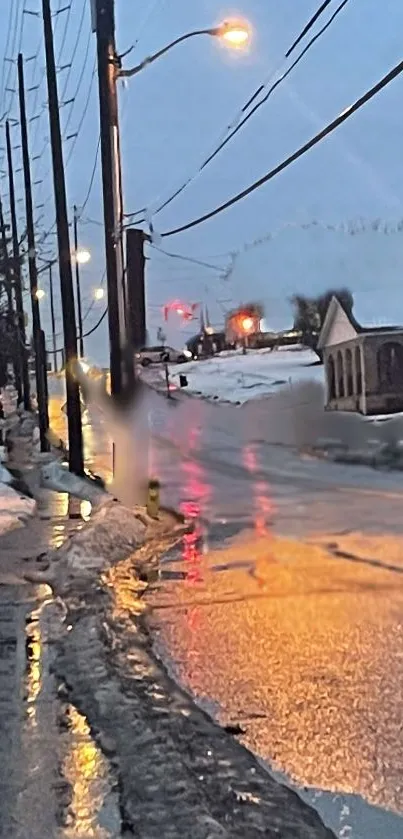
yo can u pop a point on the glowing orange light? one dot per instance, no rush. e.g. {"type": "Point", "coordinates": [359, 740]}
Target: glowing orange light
{"type": "Point", "coordinates": [235, 34]}
{"type": "Point", "coordinates": [247, 324]}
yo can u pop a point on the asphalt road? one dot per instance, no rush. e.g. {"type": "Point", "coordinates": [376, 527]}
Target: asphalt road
{"type": "Point", "coordinates": [303, 648]}
{"type": "Point", "coordinates": [286, 616]}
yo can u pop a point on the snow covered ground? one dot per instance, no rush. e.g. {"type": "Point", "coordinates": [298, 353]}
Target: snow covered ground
{"type": "Point", "coordinates": [15, 509]}
{"type": "Point", "coordinates": [233, 377]}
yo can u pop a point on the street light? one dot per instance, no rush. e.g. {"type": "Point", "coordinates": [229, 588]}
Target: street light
{"type": "Point", "coordinates": [234, 34]}
{"type": "Point", "coordinates": [82, 257]}
{"type": "Point", "coordinates": [99, 293]}
{"type": "Point", "coordinates": [247, 324]}
{"type": "Point", "coordinates": [39, 294]}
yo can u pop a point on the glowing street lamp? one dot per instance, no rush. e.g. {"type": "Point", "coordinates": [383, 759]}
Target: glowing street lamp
{"type": "Point", "coordinates": [39, 294]}
{"type": "Point", "coordinates": [233, 33]}
{"type": "Point", "coordinates": [82, 257]}
{"type": "Point", "coordinates": [99, 293]}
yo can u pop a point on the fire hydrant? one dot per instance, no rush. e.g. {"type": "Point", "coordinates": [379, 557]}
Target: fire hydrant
{"type": "Point", "coordinates": [153, 498]}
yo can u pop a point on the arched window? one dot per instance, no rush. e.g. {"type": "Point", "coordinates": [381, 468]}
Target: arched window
{"type": "Point", "coordinates": [331, 378]}
{"type": "Point", "coordinates": [390, 366]}
{"type": "Point", "coordinates": [349, 371]}
{"type": "Point", "coordinates": [340, 374]}
{"type": "Point", "coordinates": [358, 370]}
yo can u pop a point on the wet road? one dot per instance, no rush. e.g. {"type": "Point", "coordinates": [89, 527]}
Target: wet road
{"type": "Point", "coordinates": [294, 628]}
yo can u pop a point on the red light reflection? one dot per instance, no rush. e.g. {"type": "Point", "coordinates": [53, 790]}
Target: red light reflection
{"type": "Point", "coordinates": [263, 506]}
{"type": "Point", "coordinates": [190, 544]}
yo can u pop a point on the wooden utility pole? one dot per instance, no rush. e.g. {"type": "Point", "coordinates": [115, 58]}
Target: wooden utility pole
{"type": "Point", "coordinates": [7, 267]}
{"type": "Point", "coordinates": [52, 318]}
{"type": "Point", "coordinates": [76, 462]}
{"type": "Point", "coordinates": [40, 361]}
{"type": "Point", "coordinates": [135, 288]}
{"type": "Point", "coordinates": [104, 25]}
{"type": "Point", "coordinates": [78, 286]}
{"type": "Point", "coordinates": [16, 274]}
{"type": "Point", "coordinates": [11, 317]}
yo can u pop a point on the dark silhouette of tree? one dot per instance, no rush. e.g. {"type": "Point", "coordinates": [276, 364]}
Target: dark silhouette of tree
{"type": "Point", "coordinates": [310, 313]}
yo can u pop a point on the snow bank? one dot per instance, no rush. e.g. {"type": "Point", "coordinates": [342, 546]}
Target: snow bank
{"type": "Point", "coordinates": [15, 509]}
{"type": "Point", "coordinates": [237, 378]}
{"type": "Point", "coordinates": [113, 533]}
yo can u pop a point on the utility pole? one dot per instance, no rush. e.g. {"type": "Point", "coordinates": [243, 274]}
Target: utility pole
{"type": "Point", "coordinates": [104, 25]}
{"type": "Point", "coordinates": [16, 273]}
{"type": "Point", "coordinates": [76, 463]}
{"type": "Point", "coordinates": [7, 271]}
{"type": "Point", "coordinates": [78, 286]}
{"type": "Point", "coordinates": [40, 362]}
{"type": "Point", "coordinates": [135, 287]}
{"type": "Point", "coordinates": [11, 318]}
{"type": "Point", "coordinates": [52, 318]}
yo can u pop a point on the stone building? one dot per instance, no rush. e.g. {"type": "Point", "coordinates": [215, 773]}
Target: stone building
{"type": "Point", "coordinates": [363, 367]}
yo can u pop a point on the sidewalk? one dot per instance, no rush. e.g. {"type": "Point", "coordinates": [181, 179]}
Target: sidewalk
{"type": "Point", "coordinates": [54, 780]}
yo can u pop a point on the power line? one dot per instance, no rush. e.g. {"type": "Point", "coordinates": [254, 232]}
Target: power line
{"type": "Point", "coordinates": [274, 86]}
{"type": "Point", "coordinates": [74, 51]}
{"type": "Point", "coordinates": [308, 26]}
{"type": "Point", "coordinates": [187, 258]}
{"type": "Point", "coordinates": [92, 179]}
{"type": "Point", "coordinates": [80, 80]}
{"type": "Point", "coordinates": [3, 74]}
{"type": "Point", "coordinates": [348, 112]}
{"type": "Point", "coordinates": [242, 117]}
{"type": "Point", "coordinates": [85, 334]}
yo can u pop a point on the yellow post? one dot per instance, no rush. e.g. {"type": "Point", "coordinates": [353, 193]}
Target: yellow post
{"type": "Point", "coordinates": [153, 498]}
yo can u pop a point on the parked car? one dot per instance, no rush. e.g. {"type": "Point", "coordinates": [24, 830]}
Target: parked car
{"type": "Point", "coordinates": [161, 354]}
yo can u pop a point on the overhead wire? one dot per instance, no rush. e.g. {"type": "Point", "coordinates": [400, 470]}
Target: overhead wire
{"type": "Point", "coordinates": [12, 60]}
{"type": "Point", "coordinates": [242, 117]}
{"type": "Point", "coordinates": [91, 184]}
{"type": "Point", "coordinates": [186, 258]}
{"type": "Point", "coordinates": [7, 44]}
{"type": "Point", "coordinates": [329, 128]}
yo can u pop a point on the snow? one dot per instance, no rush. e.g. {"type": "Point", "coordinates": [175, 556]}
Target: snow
{"type": "Point", "coordinates": [14, 508]}
{"type": "Point", "coordinates": [234, 377]}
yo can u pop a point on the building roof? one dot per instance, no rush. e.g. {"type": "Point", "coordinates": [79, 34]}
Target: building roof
{"type": "Point", "coordinates": [337, 311]}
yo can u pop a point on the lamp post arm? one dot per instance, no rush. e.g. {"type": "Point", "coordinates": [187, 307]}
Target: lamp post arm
{"type": "Point", "coordinates": [151, 58]}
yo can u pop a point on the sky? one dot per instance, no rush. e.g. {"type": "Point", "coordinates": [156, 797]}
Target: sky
{"type": "Point", "coordinates": [292, 235]}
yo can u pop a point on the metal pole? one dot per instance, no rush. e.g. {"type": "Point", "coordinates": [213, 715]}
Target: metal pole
{"type": "Point", "coordinates": [111, 182]}
{"type": "Point", "coordinates": [78, 286]}
{"type": "Point", "coordinates": [52, 318]}
{"type": "Point", "coordinates": [76, 463]}
{"type": "Point", "coordinates": [40, 372]}
{"type": "Point", "coordinates": [17, 277]}
{"type": "Point", "coordinates": [12, 321]}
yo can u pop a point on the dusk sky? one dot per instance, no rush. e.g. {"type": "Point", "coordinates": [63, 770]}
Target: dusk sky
{"type": "Point", "coordinates": [173, 114]}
